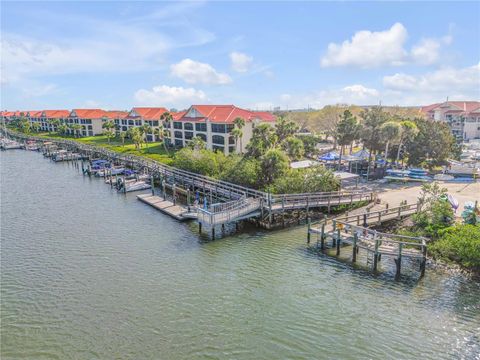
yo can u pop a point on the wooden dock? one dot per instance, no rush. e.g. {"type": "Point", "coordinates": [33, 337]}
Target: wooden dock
{"type": "Point", "coordinates": [178, 212]}
{"type": "Point", "coordinates": [353, 230]}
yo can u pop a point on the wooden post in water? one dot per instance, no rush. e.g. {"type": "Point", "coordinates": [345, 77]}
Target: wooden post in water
{"type": "Point", "coordinates": [308, 233]}
{"type": "Point", "coordinates": [338, 242]}
{"type": "Point", "coordinates": [375, 255]}
{"type": "Point", "coordinates": [164, 188]}
{"type": "Point", "coordinates": [152, 184]}
{"type": "Point", "coordinates": [354, 250]}
{"type": "Point", "coordinates": [213, 232]}
{"type": "Point", "coordinates": [322, 238]}
{"type": "Point", "coordinates": [398, 261]}
{"type": "Point", "coordinates": [424, 259]}
{"type": "Point", "coordinates": [174, 190]}
{"type": "Point", "coordinates": [199, 227]}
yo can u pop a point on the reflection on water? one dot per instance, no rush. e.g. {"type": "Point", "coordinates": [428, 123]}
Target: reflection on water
{"type": "Point", "coordinates": [89, 273]}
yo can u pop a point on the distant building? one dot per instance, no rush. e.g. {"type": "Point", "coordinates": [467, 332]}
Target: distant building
{"type": "Point", "coordinates": [463, 117]}
{"type": "Point", "coordinates": [140, 116]}
{"type": "Point", "coordinates": [214, 124]}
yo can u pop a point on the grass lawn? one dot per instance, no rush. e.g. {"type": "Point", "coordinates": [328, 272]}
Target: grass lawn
{"type": "Point", "coordinates": [152, 150]}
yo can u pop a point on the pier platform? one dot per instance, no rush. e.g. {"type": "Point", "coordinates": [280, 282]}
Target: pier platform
{"type": "Point", "coordinates": [178, 212]}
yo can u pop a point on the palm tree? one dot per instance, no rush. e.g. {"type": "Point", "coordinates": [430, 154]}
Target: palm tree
{"type": "Point", "coordinates": [165, 120]}
{"type": "Point", "coordinates": [239, 123]}
{"type": "Point", "coordinates": [54, 123]}
{"type": "Point", "coordinates": [122, 137]}
{"type": "Point", "coordinates": [62, 129]}
{"type": "Point", "coordinates": [35, 126]}
{"type": "Point", "coordinates": [146, 129]}
{"type": "Point", "coordinates": [237, 134]}
{"type": "Point", "coordinates": [108, 125]}
{"type": "Point", "coordinates": [136, 136]}
{"type": "Point", "coordinates": [76, 129]}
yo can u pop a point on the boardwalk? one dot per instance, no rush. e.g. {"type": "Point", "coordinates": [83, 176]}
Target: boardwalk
{"type": "Point", "coordinates": [353, 230]}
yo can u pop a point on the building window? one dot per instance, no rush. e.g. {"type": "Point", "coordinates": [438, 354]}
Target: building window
{"type": "Point", "coordinates": [202, 136]}
{"type": "Point", "coordinates": [231, 149]}
{"type": "Point", "coordinates": [218, 128]}
{"type": "Point", "coordinates": [230, 127]}
{"type": "Point", "coordinates": [178, 135]}
{"type": "Point", "coordinates": [217, 139]}
{"type": "Point", "coordinates": [178, 142]}
{"type": "Point", "coordinates": [201, 126]}
{"type": "Point", "coordinates": [218, 148]}
{"type": "Point", "coordinates": [231, 140]}
{"type": "Point", "coordinates": [177, 125]}
{"type": "Point", "coordinates": [188, 126]}
{"type": "Point", "coordinates": [155, 123]}
{"type": "Point", "coordinates": [188, 135]}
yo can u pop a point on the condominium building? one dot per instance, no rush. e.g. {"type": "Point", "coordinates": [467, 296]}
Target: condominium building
{"type": "Point", "coordinates": [140, 116]}
{"type": "Point", "coordinates": [214, 124]}
{"type": "Point", "coordinates": [463, 117]}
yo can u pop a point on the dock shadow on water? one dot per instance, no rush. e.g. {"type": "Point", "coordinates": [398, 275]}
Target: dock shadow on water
{"type": "Point", "coordinates": [89, 273]}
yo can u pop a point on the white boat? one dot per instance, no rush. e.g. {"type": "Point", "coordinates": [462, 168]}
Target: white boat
{"type": "Point", "coordinates": [7, 144]}
{"type": "Point", "coordinates": [110, 171]}
{"type": "Point", "coordinates": [137, 186]}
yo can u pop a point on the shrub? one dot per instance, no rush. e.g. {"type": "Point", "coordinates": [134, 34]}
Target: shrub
{"type": "Point", "coordinates": [460, 244]}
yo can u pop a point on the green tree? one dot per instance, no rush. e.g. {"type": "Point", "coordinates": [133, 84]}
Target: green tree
{"type": "Point", "coordinates": [294, 148]}
{"type": "Point", "coordinates": [347, 131]}
{"type": "Point", "coordinates": [122, 136]}
{"type": "Point", "coordinates": [162, 134]}
{"type": "Point", "coordinates": [408, 131]}
{"type": "Point", "coordinates": [136, 136]}
{"type": "Point", "coordinates": [390, 132]}
{"type": "Point", "coordinates": [285, 128]}
{"type": "Point", "coordinates": [54, 123]}
{"type": "Point", "coordinates": [62, 129]}
{"type": "Point", "coordinates": [76, 128]}
{"type": "Point", "coordinates": [109, 127]}
{"type": "Point", "coordinates": [35, 126]}
{"type": "Point", "coordinates": [197, 143]}
{"type": "Point", "coordinates": [313, 179]}
{"type": "Point", "coordinates": [237, 133]}
{"type": "Point", "coordinates": [263, 138]}
{"type": "Point", "coordinates": [371, 133]}
{"type": "Point", "coordinates": [274, 163]}
{"type": "Point", "coordinates": [433, 145]}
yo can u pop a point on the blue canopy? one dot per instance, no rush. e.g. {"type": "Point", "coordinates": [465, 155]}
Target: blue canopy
{"type": "Point", "coordinates": [331, 156]}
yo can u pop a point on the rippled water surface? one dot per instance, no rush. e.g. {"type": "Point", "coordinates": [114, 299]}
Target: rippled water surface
{"type": "Point", "coordinates": [88, 273]}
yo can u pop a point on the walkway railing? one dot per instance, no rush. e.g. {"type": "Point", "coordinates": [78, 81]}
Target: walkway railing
{"type": "Point", "coordinates": [217, 214]}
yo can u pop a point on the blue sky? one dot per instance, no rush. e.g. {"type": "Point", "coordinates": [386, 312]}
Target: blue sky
{"type": "Point", "coordinates": [116, 55]}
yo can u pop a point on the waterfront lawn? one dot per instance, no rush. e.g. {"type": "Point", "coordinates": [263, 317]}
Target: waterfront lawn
{"type": "Point", "coordinates": [152, 150]}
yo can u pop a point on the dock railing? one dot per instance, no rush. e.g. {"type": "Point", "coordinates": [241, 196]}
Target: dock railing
{"type": "Point", "coordinates": [222, 213]}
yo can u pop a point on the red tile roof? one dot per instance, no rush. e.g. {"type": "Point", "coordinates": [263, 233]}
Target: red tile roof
{"type": "Point", "coordinates": [463, 106]}
{"type": "Point", "coordinates": [54, 114]}
{"type": "Point", "coordinates": [89, 113]}
{"type": "Point", "coordinates": [150, 113]}
{"type": "Point", "coordinates": [35, 114]}
{"type": "Point", "coordinates": [115, 114]}
{"type": "Point", "coordinates": [228, 113]}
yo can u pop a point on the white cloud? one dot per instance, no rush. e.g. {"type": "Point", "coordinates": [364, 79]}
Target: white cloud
{"type": "Point", "coordinates": [369, 49]}
{"type": "Point", "coordinates": [194, 72]}
{"type": "Point", "coordinates": [99, 45]}
{"type": "Point", "coordinates": [163, 95]}
{"type": "Point", "coordinates": [240, 62]}
{"type": "Point", "coordinates": [465, 80]}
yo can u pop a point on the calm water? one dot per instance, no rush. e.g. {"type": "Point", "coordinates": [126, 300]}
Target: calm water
{"type": "Point", "coordinates": [88, 273]}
